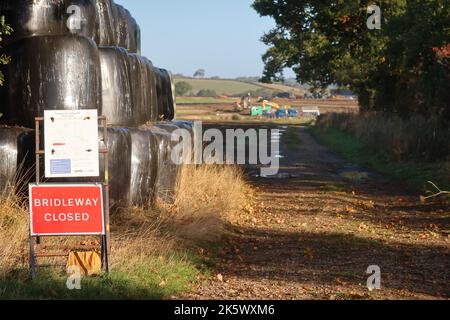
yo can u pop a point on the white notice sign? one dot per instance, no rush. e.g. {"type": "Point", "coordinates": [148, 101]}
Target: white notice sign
{"type": "Point", "coordinates": [71, 143]}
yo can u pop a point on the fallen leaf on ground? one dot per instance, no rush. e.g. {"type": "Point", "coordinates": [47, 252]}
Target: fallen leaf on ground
{"type": "Point", "coordinates": [308, 253]}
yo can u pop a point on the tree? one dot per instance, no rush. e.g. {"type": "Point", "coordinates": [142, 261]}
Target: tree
{"type": "Point", "coordinates": [329, 42]}
{"type": "Point", "coordinates": [5, 29]}
{"type": "Point", "coordinates": [182, 88]}
{"type": "Point", "coordinates": [200, 73]}
{"type": "Point", "coordinates": [207, 93]}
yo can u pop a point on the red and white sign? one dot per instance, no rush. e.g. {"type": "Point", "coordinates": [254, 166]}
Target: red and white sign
{"type": "Point", "coordinates": [66, 209]}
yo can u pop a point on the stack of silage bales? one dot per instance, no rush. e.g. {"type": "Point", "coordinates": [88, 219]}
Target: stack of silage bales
{"type": "Point", "coordinates": [97, 66]}
{"type": "Point", "coordinates": [16, 158]}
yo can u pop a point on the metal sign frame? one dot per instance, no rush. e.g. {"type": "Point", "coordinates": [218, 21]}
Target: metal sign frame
{"type": "Point", "coordinates": [36, 241]}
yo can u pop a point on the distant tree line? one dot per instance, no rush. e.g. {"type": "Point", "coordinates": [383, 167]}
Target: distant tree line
{"type": "Point", "coordinates": [402, 68]}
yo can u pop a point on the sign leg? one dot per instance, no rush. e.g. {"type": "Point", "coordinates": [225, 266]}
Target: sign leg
{"type": "Point", "coordinates": [105, 254]}
{"type": "Point", "coordinates": [32, 259]}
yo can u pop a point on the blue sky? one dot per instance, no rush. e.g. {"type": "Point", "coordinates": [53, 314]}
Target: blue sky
{"type": "Point", "coordinates": [221, 36]}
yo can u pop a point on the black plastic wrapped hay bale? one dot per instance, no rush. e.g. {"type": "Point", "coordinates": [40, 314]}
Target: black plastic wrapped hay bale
{"type": "Point", "coordinates": [172, 97]}
{"type": "Point", "coordinates": [166, 106]}
{"type": "Point", "coordinates": [151, 89]}
{"type": "Point", "coordinates": [142, 91]}
{"type": "Point", "coordinates": [168, 169]}
{"type": "Point", "coordinates": [51, 73]}
{"type": "Point", "coordinates": [159, 92]}
{"type": "Point", "coordinates": [138, 38]}
{"type": "Point", "coordinates": [106, 10]}
{"type": "Point", "coordinates": [16, 159]}
{"type": "Point", "coordinates": [116, 86]}
{"type": "Point", "coordinates": [127, 30]}
{"type": "Point", "coordinates": [128, 88]}
{"type": "Point", "coordinates": [30, 18]}
{"type": "Point", "coordinates": [144, 167]}
{"type": "Point", "coordinates": [119, 167]}
{"type": "Point", "coordinates": [117, 27]}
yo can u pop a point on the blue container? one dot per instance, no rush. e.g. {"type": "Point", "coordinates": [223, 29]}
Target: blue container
{"type": "Point", "coordinates": [281, 113]}
{"type": "Point", "coordinates": [293, 113]}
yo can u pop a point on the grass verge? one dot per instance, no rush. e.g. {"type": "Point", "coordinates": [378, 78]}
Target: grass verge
{"type": "Point", "coordinates": [414, 174]}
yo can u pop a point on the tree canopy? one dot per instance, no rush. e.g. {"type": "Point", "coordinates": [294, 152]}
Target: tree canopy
{"type": "Point", "coordinates": [182, 88]}
{"type": "Point", "coordinates": [395, 68]}
{"type": "Point", "coordinates": [200, 73]}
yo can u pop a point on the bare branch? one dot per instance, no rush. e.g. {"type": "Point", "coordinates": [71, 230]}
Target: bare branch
{"type": "Point", "coordinates": [438, 192]}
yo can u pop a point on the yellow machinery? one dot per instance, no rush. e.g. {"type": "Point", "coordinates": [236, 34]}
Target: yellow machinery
{"type": "Point", "coordinates": [273, 105]}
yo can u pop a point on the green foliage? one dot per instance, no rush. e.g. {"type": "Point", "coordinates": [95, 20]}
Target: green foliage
{"type": "Point", "coordinates": [222, 87]}
{"type": "Point", "coordinates": [200, 73]}
{"type": "Point", "coordinates": [396, 139]}
{"type": "Point", "coordinates": [207, 93]}
{"type": "Point", "coordinates": [154, 279]}
{"type": "Point", "coordinates": [182, 88]}
{"type": "Point", "coordinates": [395, 68]}
{"type": "Point", "coordinates": [413, 150]}
{"type": "Point", "coordinates": [5, 30]}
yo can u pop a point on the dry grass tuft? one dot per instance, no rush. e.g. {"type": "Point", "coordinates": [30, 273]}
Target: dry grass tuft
{"type": "Point", "coordinates": [137, 235]}
{"type": "Point", "coordinates": [13, 234]}
{"type": "Point", "coordinates": [206, 197]}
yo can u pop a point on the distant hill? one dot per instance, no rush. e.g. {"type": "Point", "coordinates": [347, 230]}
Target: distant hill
{"type": "Point", "coordinates": [283, 88]}
{"type": "Point", "coordinates": [225, 87]}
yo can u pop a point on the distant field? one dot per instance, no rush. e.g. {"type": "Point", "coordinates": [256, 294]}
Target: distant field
{"type": "Point", "coordinates": [283, 88]}
{"type": "Point", "coordinates": [226, 113]}
{"type": "Point", "coordinates": [220, 112]}
{"type": "Point", "coordinates": [222, 87]}
{"type": "Point", "coordinates": [205, 100]}
{"type": "Point", "coordinates": [235, 87]}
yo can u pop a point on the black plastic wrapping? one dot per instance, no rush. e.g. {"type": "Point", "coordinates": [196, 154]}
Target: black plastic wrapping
{"type": "Point", "coordinates": [138, 38]}
{"type": "Point", "coordinates": [144, 167]}
{"type": "Point", "coordinates": [166, 103]}
{"type": "Point", "coordinates": [128, 88]}
{"type": "Point", "coordinates": [142, 90]}
{"type": "Point", "coordinates": [107, 31]}
{"type": "Point", "coordinates": [16, 159]}
{"type": "Point", "coordinates": [31, 18]}
{"type": "Point", "coordinates": [117, 28]}
{"type": "Point", "coordinates": [172, 97]}
{"type": "Point", "coordinates": [126, 30]}
{"type": "Point", "coordinates": [140, 166]}
{"type": "Point", "coordinates": [144, 171]}
{"type": "Point", "coordinates": [119, 167]}
{"type": "Point", "coordinates": [50, 73]}
{"type": "Point", "coordinates": [151, 90]}
{"type": "Point", "coordinates": [159, 93]}
{"type": "Point", "coordinates": [168, 170]}
{"type": "Point", "coordinates": [116, 86]}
